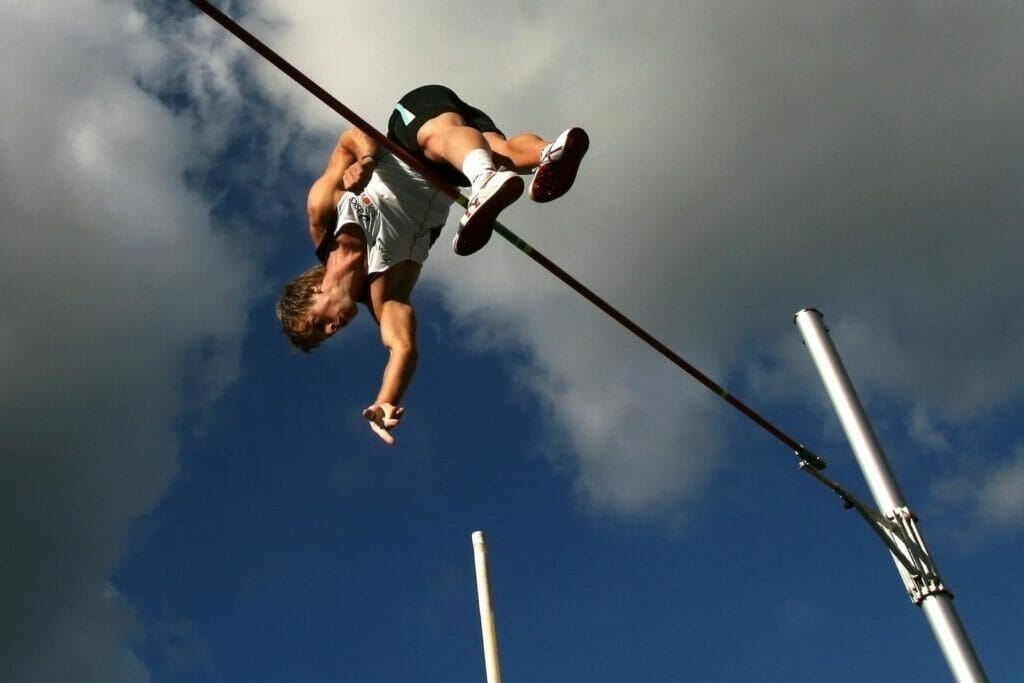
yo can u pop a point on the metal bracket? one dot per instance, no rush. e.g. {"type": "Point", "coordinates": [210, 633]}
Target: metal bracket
{"type": "Point", "coordinates": [898, 531]}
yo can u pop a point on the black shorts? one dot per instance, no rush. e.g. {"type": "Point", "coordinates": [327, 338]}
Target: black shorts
{"type": "Point", "coordinates": [423, 104]}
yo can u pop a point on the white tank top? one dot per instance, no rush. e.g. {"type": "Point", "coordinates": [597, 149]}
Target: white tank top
{"type": "Point", "coordinates": [398, 212]}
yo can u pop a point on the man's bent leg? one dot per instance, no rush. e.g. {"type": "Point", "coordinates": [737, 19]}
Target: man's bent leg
{"type": "Point", "coordinates": [520, 153]}
{"type": "Point", "coordinates": [447, 139]}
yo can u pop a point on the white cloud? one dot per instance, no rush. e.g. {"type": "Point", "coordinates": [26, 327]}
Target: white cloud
{"type": "Point", "coordinates": [1001, 496]}
{"type": "Point", "coordinates": [634, 449]}
{"type": "Point", "coordinates": [983, 497]}
{"type": "Point", "coordinates": [923, 430]}
{"type": "Point", "coordinates": [113, 276]}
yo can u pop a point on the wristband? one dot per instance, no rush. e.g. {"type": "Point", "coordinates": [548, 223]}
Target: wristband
{"type": "Point", "coordinates": [367, 156]}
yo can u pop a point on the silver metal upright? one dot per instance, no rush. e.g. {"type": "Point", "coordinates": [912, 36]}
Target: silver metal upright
{"type": "Point", "coordinates": [897, 522]}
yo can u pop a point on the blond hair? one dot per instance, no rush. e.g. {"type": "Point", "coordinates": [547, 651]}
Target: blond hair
{"type": "Point", "coordinates": [293, 310]}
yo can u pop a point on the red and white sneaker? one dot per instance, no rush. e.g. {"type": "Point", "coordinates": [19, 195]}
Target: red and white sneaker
{"type": "Point", "coordinates": [497, 190]}
{"type": "Point", "coordinates": [559, 163]}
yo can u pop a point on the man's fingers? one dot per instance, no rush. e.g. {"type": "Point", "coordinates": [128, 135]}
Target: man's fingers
{"type": "Point", "coordinates": [381, 422]}
{"type": "Point", "coordinates": [392, 417]}
{"type": "Point", "coordinates": [383, 433]}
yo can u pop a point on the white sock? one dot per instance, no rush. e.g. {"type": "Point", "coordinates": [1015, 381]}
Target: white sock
{"type": "Point", "coordinates": [475, 164]}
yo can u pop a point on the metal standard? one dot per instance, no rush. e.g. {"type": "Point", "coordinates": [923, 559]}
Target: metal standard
{"type": "Point", "coordinates": [896, 525]}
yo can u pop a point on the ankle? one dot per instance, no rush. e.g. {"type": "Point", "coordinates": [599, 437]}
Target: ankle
{"type": "Point", "coordinates": [476, 165]}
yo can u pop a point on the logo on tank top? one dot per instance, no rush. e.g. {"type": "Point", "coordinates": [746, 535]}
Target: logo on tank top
{"type": "Point", "coordinates": [384, 252]}
{"type": "Point", "coordinates": [365, 209]}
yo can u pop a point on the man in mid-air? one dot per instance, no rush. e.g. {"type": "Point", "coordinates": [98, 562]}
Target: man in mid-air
{"type": "Point", "coordinates": [373, 219]}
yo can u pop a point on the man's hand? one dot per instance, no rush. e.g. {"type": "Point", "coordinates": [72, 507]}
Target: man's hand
{"type": "Point", "coordinates": [383, 418]}
{"type": "Point", "coordinates": [358, 174]}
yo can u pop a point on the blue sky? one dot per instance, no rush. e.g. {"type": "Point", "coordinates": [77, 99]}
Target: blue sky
{"type": "Point", "coordinates": [185, 500]}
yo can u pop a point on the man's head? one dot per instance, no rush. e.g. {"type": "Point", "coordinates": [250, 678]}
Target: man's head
{"type": "Point", "coordinates": [310, 312]}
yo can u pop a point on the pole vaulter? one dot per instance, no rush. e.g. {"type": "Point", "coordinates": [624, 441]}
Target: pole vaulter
{"type": "Point", "coordinates": [802, 452]}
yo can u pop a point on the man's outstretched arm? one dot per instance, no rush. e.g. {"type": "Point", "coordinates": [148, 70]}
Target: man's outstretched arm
{"type": "Point", "coordinates": [389, 300]}
{"type": "Point", "coordinates": [398, 334]}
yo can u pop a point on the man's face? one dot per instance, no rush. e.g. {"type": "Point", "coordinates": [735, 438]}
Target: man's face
{"type": "Point", "coordinates": [328, 314]}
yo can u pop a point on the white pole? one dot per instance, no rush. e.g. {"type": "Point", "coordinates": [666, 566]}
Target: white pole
{"type": "Point", "coordinates": [926, 590]}
{"type": "Point", "coordinates": [483, 591]}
